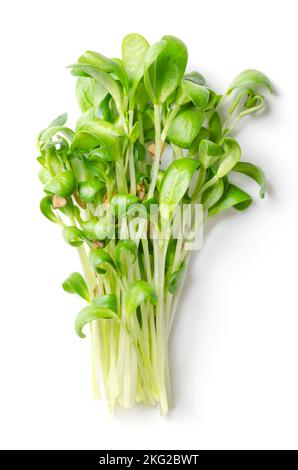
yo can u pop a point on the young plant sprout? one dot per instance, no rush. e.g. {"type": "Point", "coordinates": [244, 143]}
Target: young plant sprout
{"type": "Point", "coordinates": [107, 185]}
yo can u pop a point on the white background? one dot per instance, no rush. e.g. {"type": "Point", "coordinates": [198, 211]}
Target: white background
{"type": "Point", "coordinates": [234, 348]}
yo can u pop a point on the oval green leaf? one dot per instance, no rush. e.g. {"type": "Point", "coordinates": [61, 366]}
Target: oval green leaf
{"type": "Point", "coordinates": [63, 184]}
{"type": "Point", "coordinates": [134, 50]}
{"type": "Point", "coordinates": [88, 189]}
{"type": "Point", "coordinates": [176, 182]}
{"type": "Point", "coordinates": [165, 65]}
{"type": "Point", "coordinates": [185, 127]}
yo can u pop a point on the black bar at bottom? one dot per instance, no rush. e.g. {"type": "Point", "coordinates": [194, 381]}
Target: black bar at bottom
{"type": "Point", "coordinates": [135, 459]}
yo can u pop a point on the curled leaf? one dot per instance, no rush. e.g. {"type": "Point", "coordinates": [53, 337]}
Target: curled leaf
{"type": "Point", "coordinates": [106, 65]}
{"type": "Point", "coordinates": [59, 120]}
{"type": "Point", "coordinates": [209, 153]}
{"type": "Point", "coordinates": [231, 157]}
{"type": "Point", "coordinates": [213, 194]}
{"type": "Point", "coordinates": [47, 209]}
{"type": "Point", "coordinates": [198, 94]}
{"type": "Point", "coordinates": [109, 301]}
{"type": "Point", "coordinates": [76, 284]}
{"type": "Point", "coordinates": [254, 172]}
{"type": "Point", "coordinates": [248, 79]}
{"type": "Point", "coordinates": [139, 292]}
{"type": "Point", "coordinates": [195, 77]}
{"type": "Point", "coordinates": [108, 135]}
{"type": "Point", "coordinates": [253, 104]}
{"type": "Point", "coordinates": [73, 236]}
{"type": "Point", "coordinates": [106, 81]}
{"type": "Point", "coordinates": [122, 246]}
{"type": "Point", "coordinates": [174, 278]}
{"type": "Point", "coordinates": [233, 197]}
{"type": "Point", "coordinates": [91, 313]}
{"type": "Point", "coordinates": [99, 258]}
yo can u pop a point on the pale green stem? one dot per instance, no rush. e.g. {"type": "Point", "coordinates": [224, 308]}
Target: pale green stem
{"type": "Point", "coordinates": [140, 121]}
{"type": "Point", "coordinates": [120, 177]}
{"type": "Point", "coordinates": [132, 171]}
{"type": "Point", "coordinates": [169, 119]}
{"type": "Point", "coordinates": [156, 162]}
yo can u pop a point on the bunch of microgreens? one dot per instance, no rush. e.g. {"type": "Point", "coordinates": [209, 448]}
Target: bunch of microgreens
{"type": "Point", "coordinates": [133, 109]}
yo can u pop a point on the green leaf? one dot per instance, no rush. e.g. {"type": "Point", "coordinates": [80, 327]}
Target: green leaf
{"type": "Point", "coordinates": [109, 301]}
{"type": "Point", "coordinates": [248, 79]}
{"type": "Point", "coordinates": [209, 153]}
{"type": "Point", "coordinates": [73, 236]}
{"type": "Point", "coordinates": [91, 313]}
{"type": "Point", "coordinates": [98, 168]}
{"type": "Point", "coordinates": [63, 184]}
{"type": "Point", "coordinates": [253, 104]}
{"type": "Point", "coordinates": [233, 197]}
{"type": "Point", "coordinates": [134, 133]}
{"type": "Point", "coordinates": [231, 157]}
{"type": "Point", "coordinates": [59, 121]}
{"type": "Point", "coordinates": [213, 194]}
{"type": "Point", "coordinates": [185, 127]}
{"type": "Point", "coordinates": [89, 228]}
{"type": "Point", "coordinates": [198, 94]}
{"type": "Point", "coordinates": [106, 81]}
{"type": "Point", "coordinates": [84, 141]}
{"type": "Point", "coordinates": [195, 77]}
{"type": "Point", "coordinates": [171, 251]}
{"type": "Point", "coordinates": [89, 93]}
{"type": "Point", "coordinates": [165, 65]}
{"type": "Point", "coordinates": [139, 292]}
{"type": "Point", "coordinates": [76, 284]}
{"type": "Point", "coordinates": [254, 172]}
{"type": "Point", "coordinates": [215, 129]}
{"type": "Point", "coordinates": [121, 202]}
{"type": "Point", "coordinates": [47, 134]}
{"type": "Point", "coordinates": [134, 49]}
{"type": "Point", "coordinates": [141, 98]}
{"type": "Point", "coordinates": [88, 189]}
{"type": "Point", "coordinates": [106, 65]}
{"type": "Point", "coordinates": [213, 100]}
{"type": "Point", "coordinates": [139, 152]}
{"type": "Point", "coordinates": [122, 246]}
{"type": "Point", "coordinates": [107, 134]}
{"type": "Point", "coordinates": [176, 182]}
{"type": "Point", "coordinates": [47, 209]}
{"type": "Point", "coordinates": [99, 257]}
{"type": "Point", "coordinates": [173, 279]}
